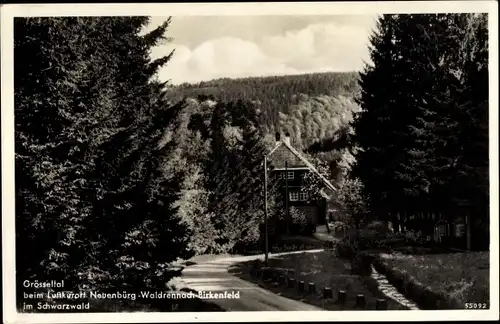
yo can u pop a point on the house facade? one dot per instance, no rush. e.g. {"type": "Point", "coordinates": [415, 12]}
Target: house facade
{"type": "Point", "coordinates": [288, 167]}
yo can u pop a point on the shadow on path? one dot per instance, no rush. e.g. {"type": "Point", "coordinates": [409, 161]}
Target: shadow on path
{"type": "Point", "coordinates": [214, 276]}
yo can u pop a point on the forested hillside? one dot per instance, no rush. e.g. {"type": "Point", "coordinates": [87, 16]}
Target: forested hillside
{"type": "Point", "coordinates": [316, 109]}
{"type": "Point", "coordinates": [274, 94]}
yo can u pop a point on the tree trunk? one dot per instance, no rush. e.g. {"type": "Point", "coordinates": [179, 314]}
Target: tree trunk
{"type": "Point", "coordinates": [468, 224]}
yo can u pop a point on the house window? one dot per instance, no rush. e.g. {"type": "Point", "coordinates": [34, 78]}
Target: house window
{"type": "Point", "coordinates": [290, 174]}
{"type": "Point", "coordinates": [304, 196]}
{"type": "Point", "coordinates": [294, 196]}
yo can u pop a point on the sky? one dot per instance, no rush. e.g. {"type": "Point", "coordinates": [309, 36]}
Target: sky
{"type": "Point", "coordinates": [210, 47]}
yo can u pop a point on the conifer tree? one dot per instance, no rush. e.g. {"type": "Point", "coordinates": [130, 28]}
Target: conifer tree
{"type": "Point", "coordinates": [378, 125]}
{"type": "Point", "coordinates": [92, 207]}
{"type": "Point", "coordinates": [420, 122]}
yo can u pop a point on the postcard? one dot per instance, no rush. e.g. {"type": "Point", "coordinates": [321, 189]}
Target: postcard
{"type": "Point", "coordinates": [250, 162]}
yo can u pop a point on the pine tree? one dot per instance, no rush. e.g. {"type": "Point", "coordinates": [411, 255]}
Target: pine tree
{"type": "Point", "coordinates": [92, 206]}
{"type": "Point", "coordinates": [420, 122]}
{"type": "Point", "coordinates": [380, 127]}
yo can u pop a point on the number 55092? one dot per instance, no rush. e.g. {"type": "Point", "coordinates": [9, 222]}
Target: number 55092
{"type": "Point", "coordinates": [476, 306]}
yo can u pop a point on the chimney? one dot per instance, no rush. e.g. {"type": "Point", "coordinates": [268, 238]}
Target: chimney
{"type": "Point", "coordinates": [278, 137]}
{"type": "Point", "coordinates": [287, 138]}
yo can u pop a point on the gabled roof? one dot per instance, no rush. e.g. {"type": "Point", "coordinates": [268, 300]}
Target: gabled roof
{"type": "Point", "coordinates": [307, 163]}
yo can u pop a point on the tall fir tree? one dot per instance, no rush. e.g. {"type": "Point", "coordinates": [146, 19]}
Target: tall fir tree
{"type": "Point", "coordinates": [88, 117]}
{"type": "Point", "coordinates": [420, 122]}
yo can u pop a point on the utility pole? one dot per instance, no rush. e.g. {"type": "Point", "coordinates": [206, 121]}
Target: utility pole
{"type": "Point", "coordinates": [265, 212]}
{"type": "Point", "coordinates": [286, 200]}
{"type": "Point", "coordinates": [468, 231]}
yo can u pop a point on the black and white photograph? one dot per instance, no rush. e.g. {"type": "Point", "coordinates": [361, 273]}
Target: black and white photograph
{"type": "Point", "coordinates": [327, 161]}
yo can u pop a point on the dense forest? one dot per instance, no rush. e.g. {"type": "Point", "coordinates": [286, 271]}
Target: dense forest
{"type": "Point", "coordinates": [114, 179]}
{"type": "Point", "coordinates": [273, 94]}
{"type": "Point", "coordinates": [118, 174]}
{"type": "Point", "coordinates": [317, 110]}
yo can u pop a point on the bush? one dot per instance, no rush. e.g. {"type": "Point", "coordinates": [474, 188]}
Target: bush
{"type": "Point", "coordinates": [376, 225]}
{"type": "Point", "coordinates": [375, 235]}
{"type": "Point", "coordinates": [346, 249]}
{"type": "Point", "coordinates": [361, 264]}
{"type": "Point", "coordinates": [368, 238]}
{"type": "Point", "coordinates": [300, 222]}
{"type": "Point", "coordinates": [337, 226]}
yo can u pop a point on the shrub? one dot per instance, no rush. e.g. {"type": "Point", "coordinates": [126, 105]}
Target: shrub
{"type": "Point", "coordinates": [346, 248]}
{"type": "Point", "coordinates": [337, 226]}
{"type": "Point", "coordinates": [300, 222]}
{"type": "Point", "coordinates": [361, 264]}
{"type": "Point", "coordinates": [376, 225]}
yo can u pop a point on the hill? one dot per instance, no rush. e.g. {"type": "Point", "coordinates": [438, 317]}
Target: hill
{"type": "Point", "coordinates": [273, 94]}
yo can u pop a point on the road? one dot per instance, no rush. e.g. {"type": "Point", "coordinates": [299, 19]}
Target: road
{"type": "Point", "coordinates": [213, 276]}
{"type": "Point", "coordinates": [322, 234]}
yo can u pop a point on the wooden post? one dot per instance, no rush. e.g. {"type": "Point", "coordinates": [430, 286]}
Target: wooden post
{"type": "Point", "coordinates": [287, 216]}
{"type": "Point", "coordinates": [381, 304]}
{"type": "Point", "coordinates": [312, 288]}
{"type": "Point", "coordinates": [360, 301]}
{"type": "Point", "coordinates": [468, 226]}
{"type": "Point", "coordinates": [265, 213]}
{"type": "Point", "coordinates": [341, 297]}
{"type": "Point", "coordinates": [301, 286]}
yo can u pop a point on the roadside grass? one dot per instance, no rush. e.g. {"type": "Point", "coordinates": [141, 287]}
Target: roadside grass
{"type": "Point", "coordinates": [296, 243]}
{"type": "Point", "coordinates": [324, 269]}
{"type": "Point", "coordinates": [285, 243]}
{"type": "Point", "coordinates": [439, 281]}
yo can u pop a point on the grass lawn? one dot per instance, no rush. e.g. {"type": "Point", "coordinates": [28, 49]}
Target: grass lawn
{"type": "Point", "coordinates": [325, 270]}
{"type": "Point", "coordinates": [461, 277]}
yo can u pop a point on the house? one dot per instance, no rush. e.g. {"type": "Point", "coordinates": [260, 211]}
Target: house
{"type": "Point", "coordinates": [288, 166]}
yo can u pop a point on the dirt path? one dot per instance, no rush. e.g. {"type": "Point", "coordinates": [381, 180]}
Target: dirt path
{"type": "Point", "coordinates": [214, 276]}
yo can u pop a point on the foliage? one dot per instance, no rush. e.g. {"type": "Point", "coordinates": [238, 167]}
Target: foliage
{"type": "Point", "coordinates": [439, 281]}
{"type": "Point", "coordinates": [312, 184]}
{"type": "Point", "coordinates": [298, 216]}
{"type": "Point", "coordinates": [234, 172]}
{"type": "Point", "coordinates": [321, 121]}
{"type": "Point", "coordinates": [346, 249]}
{"type": "Point", "coordinates": [300, 223]}
{"type": "Point", "coordinates": [316, 109]}
{"type": "Point", "coordinates": [93, 206]}
{"type": "Point", "coordinates": [272, 95]}
{"type": "Point", "coordinates": [125, 181]}
{"type": "Point", "coordinates": [351, 199]}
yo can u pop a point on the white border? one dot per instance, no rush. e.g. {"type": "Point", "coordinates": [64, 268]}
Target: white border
{"type": "Point", "coordinates": [310, 8]}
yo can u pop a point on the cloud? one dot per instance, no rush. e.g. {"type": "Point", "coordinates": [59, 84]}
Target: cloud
{"type": "Point", "coordinates": [317, 47]}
